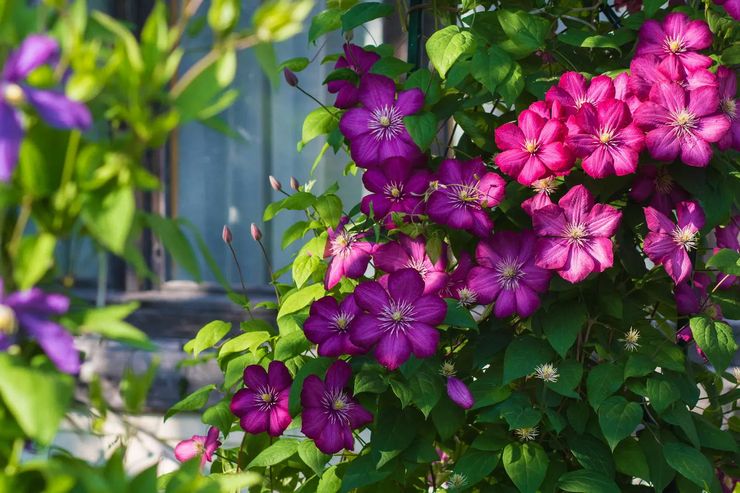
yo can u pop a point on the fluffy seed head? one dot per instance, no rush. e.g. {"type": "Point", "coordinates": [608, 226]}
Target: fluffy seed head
{"type": "Point", "coordinates": [527, 434]}
{"type": "Point", "coordinates": [547, 373]}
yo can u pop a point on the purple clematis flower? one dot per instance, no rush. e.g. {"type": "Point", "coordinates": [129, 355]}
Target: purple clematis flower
{"type": "Point", "coordinates": [677, 39]}
{"type": "Point", "coordinates": [647, 71]}
{"type": "Point", "coordinates": [376, 131]}
{"type": "Point", "coordinates": [668, 244]}
{"type": "Point", "coordinates": [507, 274]}
{"type": "Point", "coordinates": [400, 320]}
{"type": "Point", "coordinates": [728, 237]}
{"type": "Point", "coordinates": [349, 255]}
{"type": "Point", "coordinates": [575, 235]}
{"type": "Point", "coordinates": [54, 107]}
{"type": "Point", "coordinates": [396, 186]}
{"type": "Point", "coordinates": [732, 7]}
{"type": "Point", "coordinates": [457, 284]}
{"type": "Point", "coordinates": [262, 405]}
{"type": "Point", "coordinates": [465, 190]}
{"type": "Point", "coordinates": [199, 446]}
{"type": "Point", "coordinates": [573, 90]}
{"type": "Point", "coordinates": [655, 186]}
{"type": "Point", "coordinates": [30, 310]}
{"type": "Point", "coordinates": [623, 92]}
{"type": "Point", "coordinates": [606, 139]}
{"type": "Point", "coordinates": [329, 324]}
{"type": "Point", "coordinates": [727, 89]}
{"type": "Point", "coordinates": [680, 122]}
{"type": "Point", "coordinates": [543, 189]}
{"type": "Point", "coordinates": [459, 393]}
{"type": "Point", "coordinates": [359, 61]}
{"type": "Point", "coordinates": [693, 297]}
{"type": "Point", "coordinates": [330, 412]}
{"type": "Point", "coordinates": [411, 253]}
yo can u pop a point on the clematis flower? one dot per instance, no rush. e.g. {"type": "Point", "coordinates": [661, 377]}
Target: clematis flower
{"type": "Point", "coordinates": [411, 253]}
{"type": "Point", "coordinates": [457, 284]}
{"type": "Point", "coordinates": [727, 89]}
{"type": "Point", "coordinates": [668, 244]}
{"type": "Point", "coordinates": [655, 186]}
{"type": "Point", "coordinates": [199, 446]}
{"type": "Point", "coordinates": [400, 320]}
{"type": "Point", "coordinates": [507, 274]}
{"type": "Point", "coordinates": [329, 324]}
{"type": "Point", "coordinates": [359, 61]}
{"type": "Point", "coordinates": [465, 190]}
{"type": "Point", "coordinates": [543, 189]}
{"type": "Point", "coordinates": [677, 39]}
{"type": "Point", "coordinates": [680, 122]}
{"type": "Point", "coordinates": [262, 405]}
{"type": "Point", "coordinates": [728, 237]}
{"type": "Point", "coordinates": [330, 411]}
{"type": "Point", "coordinates": [623, 92]}
{"type": "Point", "coordinates": [573, 90]}
{"type": "Point", "coordinates": [349, 254]}
{"type": "Point", "coordinates": [30, 312]}
{"type": "Point", "coordinates": [54, 107]}
{"type": "Point", "coordinates": [647, 71]}
{"type": "Point", "coordinates": [533, 149]}
{"type": "Point", "coordinates": [395, 186]}
{"type": "Point", "coordinates": [732, 7]}
{"type": "Point", "coordinates": [607, 140]}
{"type": "Point", "coordinates": [575, 235]}
{"type": "Point", "coordinates": [691, 296]}
{"type": "Point", "coordinates": [375, 131]}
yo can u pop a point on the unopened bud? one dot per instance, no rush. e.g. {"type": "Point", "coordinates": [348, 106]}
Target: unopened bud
{"type": "Point", "coordinates": [275, 184]}
{"type": "Point", "coordinates": [256, 233]}
{"type": "Point", "coordinates": [290, 77]}
{"type": "Point", "coordinates": [226, 235]}
{"type": "Point", "coordinates": [294, 183]}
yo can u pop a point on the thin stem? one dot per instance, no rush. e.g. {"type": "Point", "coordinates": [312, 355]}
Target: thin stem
{"type": "Point", "coordinates": [269, 270]}
{"type": "Point", "coordinates": [316, 101]}
{"type": "Point", "coordinates": [241, 280]}
{"type": "Point", "coordinates": [20, 225]}
{"type": "Point", "coordinates": [102, 287]}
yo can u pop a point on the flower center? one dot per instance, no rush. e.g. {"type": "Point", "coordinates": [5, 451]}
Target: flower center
{"type": "Point", "coordinates": [674, 45]}
{"type": "Point", "coordinates": [397, 316]}
{"type": "Point", "coordinates": [683, 121]}
{"type": "Point", "coordinates": [8, 320]}
{"type": "Point", "coordinates": [579, 101]}
{"type": "Point", "coordinates": [419, 265]}
{"type": "Point", "coordinates": [386, 122]}
{"type": "Point", "coordinates": [464, 195]}
{"type": "Point", "coordinates": [265, 398]}
{"type": "Point", "coordinates": [342, 244]}
{"type": "Point", "coordinates": [13, 94]}
{"type": "Point", "coordinates": [663, 182]}
{"type": "Point", "coordinates": [729, 108]}
{"type": "Point", "coordinates": [685, 237]}
{"type": "Point", "coordinates": [342, 320]}
{"type": "Point", "coordinates": [509, 271]}
{"type": "Point", "coordinates": [576, 233]}
{"type": "Point", "coordinates": [531, 146]}
{"type": "Point", "coordinates": [466, 297]}
{"type": "Point", "coordinates": [545, 185]}
{"type": "Point", "coordinates": [337, 405]}
{"type": "Point", "coordinates": [605, 137]}
{"type": "Point", "coordinates": [393, 190]}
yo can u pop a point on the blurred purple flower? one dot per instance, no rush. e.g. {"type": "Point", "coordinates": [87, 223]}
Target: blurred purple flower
{"type": "Point", "coordinates": [655, 186]}
{"type": "Point", "coordinates": [199, 446]}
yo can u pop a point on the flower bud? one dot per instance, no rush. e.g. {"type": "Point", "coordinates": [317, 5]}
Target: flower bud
{"type": "Point", "coordinates": [275, 184]}
{"type": "Point", "coordinates": [226, 235]}
{"type": "Point", "coordinates": [294, 183]}
{"type": "Point", "coordinates": [256, 233]}
{"type": "Point", "coordinates": [459, 393]}
{"type": "Point", "coordinates": [290, 77]}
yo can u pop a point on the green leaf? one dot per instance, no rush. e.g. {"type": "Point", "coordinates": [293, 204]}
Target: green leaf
{"type": "Point", "coordinates": [638, 365]}
{"type": "Point", "coordinates": [662, 393]}
{"type": "Point", "coordinates": [219, 416]}
{"type": "Point", "coordinates": [135, 387]}
{"type": "Point", "coordinates": [445, 46]}
{"type": "Point", "coordinates": [727, 261]}
{"type": "Point", "coordinates": [37, 398]}
{"type": "Point", "coordinates": [523, 355]}
{"type": "Point", "coordinates": [34, 258]}
{"type": "Point", "coordinates": [586, 39]}
{"type": "Point", "coordinates": [363, 472]}
{"type": "Point", "coordinates": [329, 207]}
{"type": "Point", "coordinates": [131, 47]}
{"type": "Point", "coordinates": [602, 381]}
{"type": "Point", "coordinates": [526, 32]}
{"type": "Point", "coordinates": [208, 336]}
{"type": "Point", "coordinates": [300, 299]}
{"type": "Point", "coordinates": [422, 128]}
{"type": "Point", "coordinates": [402, 391]}
{"type": "Point", "coordinates": [712, 437]}
{"type": "Point", "coordinates": [562, 323]}
{"type": "Point", "coordinates": [312, 456]}
{"type": "Point", "coordinates": [618, 418]}
{"type": "Point", "coordinates": [570, 376]}
{"type": "Point", "coordinates": [295, 64]}
{"type": "Point", "coordinates": [526, 464]}
{"type": "Point", "coordinates": [243, 342]}
{"type": "Point", "coordinates": [299, 201]}
{"type": "Point", "coordinates": [716, 339]}
{"type": "Point", "coordinates": [329, 482]}
{"type": "Point", "coordinates": [427, 82]}
{"type": "Point", "coordinates": [320, 121]}
{"type": "Point", "coordinates": [630, 459]}
{"type": "Point", "coordinates": [370, 380]}
{"type": "Point", "coordinates": [679, 416]}
{"type": "Point", "coordinates": [458, 316]}
{"type": "Point", "coordinates": [109, 216]}
{"type": "Point", "coordinates": [281, 450]}
{"type": "Point", "coordinates": [192, 402]}
{"type": "Point", "coordinates": [364, 12]}
{"type": "Point", "coordinates": [391, 67]}
{"type": "Point", "coordinates": [584, 481]}
{"type": "Point", "coordinates": [176, 243]}
{"type": "Point", "coordinates": [426, 389]}
{"type": "Point", "coordinates": [291, 345]}
{"type": "Point", "coordinates": [592, 454]}
{"type": "Point", "coordinates": [233, 481]}
{"type": "Point", "coordinates": [393, 432]}
{"type": "Point", "coordinates": [448, 418]}
{"type": "Point", "coordinates": [491, 66]}
{"type": "Point", "coordinates": [476, 465]}
{"type": "Point", "coordinates": [691, 464]}
{"type": "Point", "coordinates": [661, 473]}
{"type": "Point", "coordinates": [324, 22]}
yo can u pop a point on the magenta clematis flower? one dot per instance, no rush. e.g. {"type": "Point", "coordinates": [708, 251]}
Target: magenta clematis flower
{"type": "Point", "coordinates": [573, 91]}
{"type": "Point", "coordinates": [359, 61]}
{"type": "Point", "coordinates": [349, 254]}
{"type": "Point", "coordinates": [728, 237]}
{"type": "Point", "coordinates": [411, 253]}
{"type": "Point", "coordinates": [30, 311]}
{"type": "Point", "coordinates": [262, 405]}
{"type": "Point", "coordinates": [396, 186]}
{"type": "Point", "coordinates": [199, 446]}
{"type": "Point", "coordinates": [375, 131]}
{"type": "Point", "coordinates": [330, 412]}
{"type": "Point", "coordinates": [655, 186]}
{"type": "Point", "coordinates": [680, 122]}
{"type": "Point", "coordinates": [465, 190]}
{"type": "Point", "coordinates": [607, 140]}
{"type": "Point", "coordinates": [543, 189]}
{"type": "Point", "coordinates": [507, 274]}
{"type": "Point", "coordinates": [459, 393]}
{"type": "Point", "coordinates": [400, 320]}
{"type": "Point", "coordinates": [329, 324]}
{"type": "Point", "coordinates": [677, 39]}
{"type": "Point", "coordinates": [668, 244]}
{"type": "Point", "coordinates": [575, 235]}
{"type": "Point", "coordinates": [534, 149]}
{"type": "Point", "coordinates": [647, 71]}
{"type": "Point", "coordinates": [732, 7]}
{"type": "Point", "coordinates": [457, 284]}
{"type": "Point", "coordinates": [691, 296]}
{"type": "Point", "coordinates": [54, 107]}
{"type": "Point", "coordinates": [623, 92]}
{"type": "Point", "coordinates": [727, 89]}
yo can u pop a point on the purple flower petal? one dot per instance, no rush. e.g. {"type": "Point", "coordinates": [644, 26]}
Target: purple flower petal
{"type": "Point", "coordinates": [459, 393]}
{"type": "Point", "coordinates": [10, 140]}
{"type": "Point", "coordinates": [36, 50]}
{"type": "Point", "coordinates": [57, 343]}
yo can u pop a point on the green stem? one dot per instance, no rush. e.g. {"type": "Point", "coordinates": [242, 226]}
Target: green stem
{"type": "Point", "coordinates": [20, 225]}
